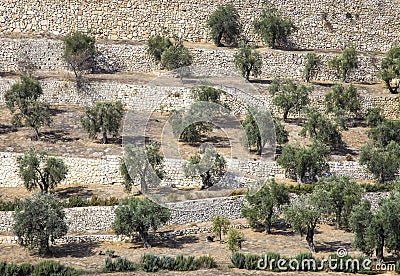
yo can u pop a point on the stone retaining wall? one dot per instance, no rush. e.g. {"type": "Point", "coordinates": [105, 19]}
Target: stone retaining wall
{"type": "Point", "coordinates": [47, 54]}
{"type": "Point", "coordinates": [106, 171]}
{"type": "Point", "coordinates": [89, 220]}
{"type": "Point", "coordinates": [370, 25]}
{"type": "Point", "coordinates": [150, 97]}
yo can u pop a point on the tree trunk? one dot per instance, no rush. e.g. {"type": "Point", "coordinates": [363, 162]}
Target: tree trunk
{"type": "Point", "coordinates": [247, 75]}
{"type": "Point", "coordinates": [37, 138]}
{"type": "Point", "coordinates": [338, 218]}
{"type": "Point", "coordinates": [379, 249]}
{"type": "Point", "coordinates": [219, 44]}
{"type": "Point", "coordinates": [285, 115]}
{"type": "Point", "coordinates": [267, 227]}
{"type": "Point", "coordinates": [105, 139]}
{"type": "Point", "coordinates": [310, 239]}
{"type": "Point", "coordinates": [220, 235]}
{"type": "Point", "coordinates": [144, 237]}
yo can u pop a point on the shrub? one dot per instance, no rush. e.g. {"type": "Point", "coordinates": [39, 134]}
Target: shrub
{"type": "Point", "coordinates": [184, 264]}
{"type": "Point", "coordinates": [271, 259]}
{"type": "Point", "coordinates": [224, 23]}
{"type": "Point", "coordinates": [51, 267]}
{"type": "Point", "coordinates": [205, 262]}
{"type": "Point", "coordinates": [342, 260]}
{"type": "Point", "coordinates": [304, 265]}
{"type": "Point", "coordinates": [344, 64]}
{"type": "Point", "coordinates": [150, 262]}
{"type": "Point", "coordinates": [167, 263]}
{"type": "Point", "coordinates": [238, 260]}
{"type": "Point", "coordinates": [234, 240]}
{"type": "Point", "coordinates": [156, 45]}
{"type": "Point", "coordinates": [251, 262]}
{"type": "Point", "coordinates": [123, 264]}
{"type": "Point", "coordinates": [10, 205]}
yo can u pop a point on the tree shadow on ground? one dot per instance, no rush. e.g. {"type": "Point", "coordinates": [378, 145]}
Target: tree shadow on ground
{"type": "Point", "coordinates": [259, 81]}
{"type": "Point", "coordinates": [331, 247]}
{"type": "Point", "coordinates": [57, 111]}
{"type": "Point", "coordinates": [54, 136]}
{"type": "Point", "coordinates": [75, 250]}
{"type": "Point", "coordinates": [111, 141]}
{"type": "Point", "coordinates": [5, 129]}
{"type": "Point", "coordinates": [164, 242]}
{"type": "Point", "coordinates": [343, 150]}
{"type": "Point", "coordinates": [82, 191]}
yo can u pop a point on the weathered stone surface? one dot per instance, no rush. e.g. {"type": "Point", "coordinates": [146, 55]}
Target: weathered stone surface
{"type": "Point", "coordinates": [371, 25]}
{"type": "Point", "coordinates": [47, 54]}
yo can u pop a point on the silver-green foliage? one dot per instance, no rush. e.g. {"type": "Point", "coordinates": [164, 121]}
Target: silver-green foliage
{"type": "Point", "coordinates": [104, 118]}
{"type": "Point", "coordinates": [39, 221]}
{"type": "Point", "coordinates": [38, 170]}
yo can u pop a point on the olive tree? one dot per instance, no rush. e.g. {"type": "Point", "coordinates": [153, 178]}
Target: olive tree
{"type": "Point", "coordinates": [272, 27]}
{"type": "Point", "coordinates": [337, 195]}
{"type": "Point", "coordinates": [27, 110]}
{"type": "Point", "coordinates": [176, 56]}
{"type": "Point", "coordinates": [38, 221]}
{"type": "Point", "coordinates": [344, 64]}
{"type": "Point", "coordinates": [289, 96]}
{"type": "Point", "coordinates": [189, 126]}
{"type": "Point", "coordinates": [376, 230]}
{"type": "Point", "coordinates": [137, 215]}
{"type": "Point", "coordinates": [258, 128]}
{"type": "Point", "coordinates": [156, 45]}
{"type": "Point", "coordinates": [143, 165]}
{"type": "Point", "coordinates": [248, 61]}
{"type": "Point", "coordinates": [234, 240]}
{"type": "Point", "coordinates": [263, 205]}
{"type": "Point", "coordinates": [79, 53]}
{"type": "Point", "coordinates": [38, 170]}
{"type": "Point", "coordinates": [382, 162]}
{"type": "Point", "coordinates": [343, 102]}
{"type": "Point", "coordinates": [104, 118]}
{"type": "Point", "coordinates": [385, 132]}
{"type": "Point", "coordinates": [374, 116]}
{"type": "Point", "coordinates": [305, 164]}
{"type": "Point", "coordinates": [390, 69]}
{"type": "Point", "coordinates": [220, 225]}
{"type": "Point", "coordinates": [319, 127]}
{"type": "Point", "coordinates": [310, 68]}
{"type": "Point", "coordinates": [210, 166]}
{"type": "Point", "coordinates": [303, 215]}
{"type": "Point", "coordinates": [224, 23]}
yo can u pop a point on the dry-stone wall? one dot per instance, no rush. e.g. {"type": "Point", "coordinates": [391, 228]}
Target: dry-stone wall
{"type": "Point", "coordinates": [370, 25]}
{"type": "Point", "coordinates": [47, 54]}
{"type": "Point", "coordinates": [80, 170]}
{"type": "Point", "coordinates": [106, 171]}
{"type": "Point", "coordinates": [85, 222]}
{"type": "Point", "coordinates": [151, 98]}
